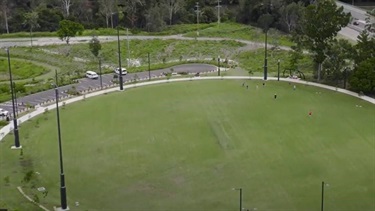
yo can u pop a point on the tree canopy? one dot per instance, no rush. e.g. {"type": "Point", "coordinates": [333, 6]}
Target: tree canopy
{"type": "Point", "coordinates": [69, 29]}
{"type": "Point", "coordinates": [319, 26]}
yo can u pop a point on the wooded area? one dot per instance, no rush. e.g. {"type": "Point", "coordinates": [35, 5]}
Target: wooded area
{"type": "Point", "coordinates": [148, 15]}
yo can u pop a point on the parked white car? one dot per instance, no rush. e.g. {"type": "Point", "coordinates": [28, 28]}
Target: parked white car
{"type": "Point", "coordinates": [124, 71]}
{"type": "Point", "coordinates": [3, 112]}
{"type": "Point", "coordinates": [92, 75]}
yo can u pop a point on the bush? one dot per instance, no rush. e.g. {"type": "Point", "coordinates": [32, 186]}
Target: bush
{"type": "Point", "coordinates": [3, 123]}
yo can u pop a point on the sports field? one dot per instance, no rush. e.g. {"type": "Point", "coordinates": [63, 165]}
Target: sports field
{"type": "Point", "coordinates": [184, 146]}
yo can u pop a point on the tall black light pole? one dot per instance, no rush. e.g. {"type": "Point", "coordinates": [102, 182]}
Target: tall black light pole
{"type": "Point", "coordinates": [100, 72]}
{"type": "Point", "coordinates": [149, 69]}
{"type": "Point", "coordinates": [218, 65]}
{"type": "Point", "coordinates": [119, 52]}
{"type": "Point", "coordinates": [240, 189]}
{"type": "Point", "coordinates": [15, 97]}
{"type": "Point", "coordinates": [278, 70]}
{"type": "Point", "coordinates": [265, 56]}
{"type": "Point", "coordinates": [17, 144]}
{"type": "Point", "coordinates": [62, 176]}
{"type": "Point", "coordinates": [322, 204]}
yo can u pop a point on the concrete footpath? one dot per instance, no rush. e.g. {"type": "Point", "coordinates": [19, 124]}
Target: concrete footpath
{"type": "Point", "coordinates": [41, 109]}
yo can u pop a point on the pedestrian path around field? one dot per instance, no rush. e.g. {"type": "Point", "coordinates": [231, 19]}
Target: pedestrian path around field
{"type": "Point", "coordinates": [41, 109]}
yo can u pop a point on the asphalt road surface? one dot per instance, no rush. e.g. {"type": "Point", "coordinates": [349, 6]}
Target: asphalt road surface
{"type": "Point", "coordinates": [86, 84]}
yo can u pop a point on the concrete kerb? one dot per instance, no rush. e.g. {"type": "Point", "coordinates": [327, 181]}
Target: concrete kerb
{"type": "Point", "coordinates": [41, 109]}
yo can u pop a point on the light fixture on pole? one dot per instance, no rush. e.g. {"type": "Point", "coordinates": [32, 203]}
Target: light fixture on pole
{"type": "Point", "coordinates": [100, 72]}
{"type": "Point", "coordinates": [265, 56]}
{"type": "Point", "coordinates": [240, 189]}
{"type": "Point", "coordinates": [17, 144]}
{"type": "Point", "coordinates": [15, 97]}
{"type": "Point", "coordinates": [119, 50]}
{"type": "Point", "coordinates": [278, 70]}
{"type": "Point", "coordinates": [149, 69]}
{"type": "Point", "coordinates": [218, 65]}
{"type": "Point", "coordinates": [64, 205]}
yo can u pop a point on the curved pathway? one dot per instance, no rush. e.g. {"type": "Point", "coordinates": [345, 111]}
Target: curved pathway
{"type": "Point", "coordinates": [86, 84]}
{"type": "Point", "coordinates": [40, 110]}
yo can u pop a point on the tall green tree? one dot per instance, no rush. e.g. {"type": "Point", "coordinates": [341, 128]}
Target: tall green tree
{"type": "Point", "coordinates": [289, 15]}
{"type": "Point", "coordinates": [338, 60]}
{"type": "Point", "coordinates": [95, 46]}
{"type": "Point", "coordinates": [69, 29]}
{"type": "Point", "coordinates": [318, 27]}
{"type": "Point", "coordinates": [4, 12]}
{"type": "Point", "coordinates": [363, 78]}
{"type": "Point", "coordinates": [31, 20]}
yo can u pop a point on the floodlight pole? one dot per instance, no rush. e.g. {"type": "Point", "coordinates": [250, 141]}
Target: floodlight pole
{"type": "Point", "coordinates": [278, 70]}
{"type": "Point", "coordinates": [240, 189]}
{"type": "Point", "coordinates": [127, 41]}
{"type": "Point", "coordinates": [17, 144]}
{"type": "Point", "coordinates": [119, 55]}
{"type": "Point", "coordinates": [15, 97]}
{"type": "Point", "coordinates": [100, 72]}
{"type": "Point", "coordinates": [149, 69]}
{"type": "Point", "coordinates": [218, 65]}
{"type": "Point", "coordinates": [322, 204]}
{"type": "Point", "coordinates": [265, 56]}
{"type": "Point", "coordinates": [62, 176]}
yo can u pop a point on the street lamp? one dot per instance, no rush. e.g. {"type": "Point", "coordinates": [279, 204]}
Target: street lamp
{"type": "Point", "coordinates": [62, 176]}
{"type": "Point", "coordinates": [240, 189]}
{"type": "Point", "coordinates": [119, 51]}
{"type": "Point", "coordinates": [265, 21]}
{"type": "Point", "coordinates": [265, 56]}
{"type": "Point", "coordinates": [218, 65]}
{"type": "Point", "coordinates": [17, 144]}
{"type": "Point", "coordinates": [100, 72]}
{"type": "Point", "coordinates": [15, 97]}
{"type": "Point", "coordinates": [149, 69]}
{"type": "Point", "coordinates": [278, 70]}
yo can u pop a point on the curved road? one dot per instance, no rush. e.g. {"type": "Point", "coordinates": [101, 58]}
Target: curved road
{"type": "Point", "coordinates": [86, 84]}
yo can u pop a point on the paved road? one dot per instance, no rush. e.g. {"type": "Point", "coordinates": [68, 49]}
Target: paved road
{"type": "Point", "coordinates": [85, 84]}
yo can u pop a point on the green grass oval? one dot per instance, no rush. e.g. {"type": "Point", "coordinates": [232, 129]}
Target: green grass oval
{"type": "Point", "coordinates": [184, 146]}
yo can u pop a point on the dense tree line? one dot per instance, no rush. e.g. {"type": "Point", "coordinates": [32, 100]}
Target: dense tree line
{"type": "Point", "coordinates": [149, 15]}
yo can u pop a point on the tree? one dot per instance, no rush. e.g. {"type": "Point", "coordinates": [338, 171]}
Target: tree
{"type": "Point", "coordinates": [131, 10]}
{"type": "Point", "coordinates": [318, 27]}
{"type": "Point", "coordinates": [66, 7]}
{"type": "Point", "coordinates": [173, 7]}
{"type": "Point", "coordinates": [5, 12]}
{"type": "Point", "coordinates": [265, 21]}
{"type": "Point", "coordinates": [363, 78]}
{"type": "Point", "coordinates": [106, 8]}
{"type": "Point", "coordinates": [338, 59]}
{"type": "Point", "coordinates": [365, 47]}
{"type": "Point", "coordinates": [31, 20]}
{"type": "Point", "coordinates": [154, 19]}
{"type": "Point", "coordinates": [295, 55]}
{"type": "Point", "coordinates": [69, 29]}
{"type": "Point", "coordinates": [49, 19]}
{"type": "Point", "coordinates": [95, 46]}
{"type": "Point", "coordinates": [290, 15]}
